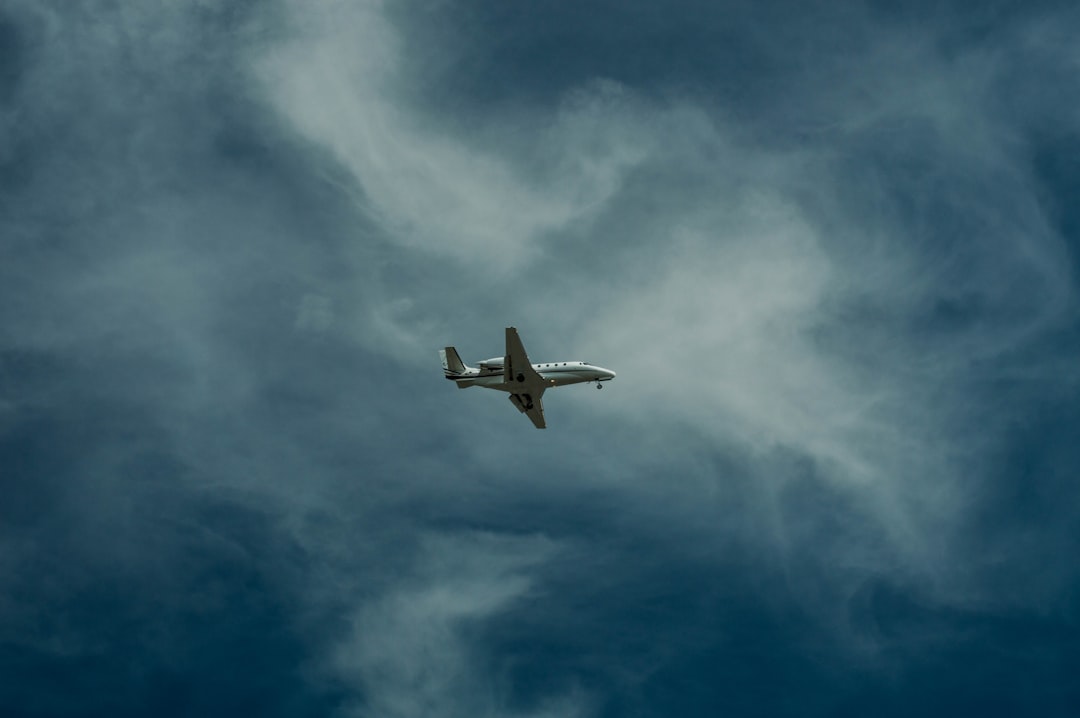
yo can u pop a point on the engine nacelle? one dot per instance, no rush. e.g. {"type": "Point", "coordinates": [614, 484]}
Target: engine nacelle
{"type": "Point", "coordinates": [493, 363]}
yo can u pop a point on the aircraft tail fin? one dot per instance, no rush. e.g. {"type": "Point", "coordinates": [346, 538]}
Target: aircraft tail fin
{"type": "Point", "coordinates": [451, 362]}
{"type": "Point", "coordinates": [454, 368]}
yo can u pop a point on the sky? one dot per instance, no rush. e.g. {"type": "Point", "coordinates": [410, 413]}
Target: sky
{"type": "Point", "coordinates": [831, 250]}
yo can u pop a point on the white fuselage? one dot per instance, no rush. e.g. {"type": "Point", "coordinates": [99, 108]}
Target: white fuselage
{"type": "Point", "coordinates": [524, 381]}
{"type": "Point", "coordinates": [490, 375]}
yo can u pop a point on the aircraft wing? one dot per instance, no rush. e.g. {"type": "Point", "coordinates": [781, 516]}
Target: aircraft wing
{"type": "Point", "coordinates": [517, 368]}
{"type": "Point", "coordinates": [531, 406]}
{"type": "Point", "coordinates": [528, 385]}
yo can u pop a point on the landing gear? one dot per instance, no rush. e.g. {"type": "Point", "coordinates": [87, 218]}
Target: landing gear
{"type": "Point", "coordinates": [599, 385]}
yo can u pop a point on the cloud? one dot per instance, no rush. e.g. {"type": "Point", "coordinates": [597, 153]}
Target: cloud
{"type": "Point", "coordinates": [335, 80]}
{"type": "Point", "coordinates": [848, 299]}
{"type": "Point", "coordinates": [828, 273]}
{"type": "Point", "coordinates": [316, 313]}
{"type": "Point", "coordinates": [416, 649]}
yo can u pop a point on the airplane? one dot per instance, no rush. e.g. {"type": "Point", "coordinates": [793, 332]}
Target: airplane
{"type": "Point", "coordinates": [514, 374]}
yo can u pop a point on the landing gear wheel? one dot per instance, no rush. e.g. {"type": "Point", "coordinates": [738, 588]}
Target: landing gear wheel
{"type": "Point", "coordinates": [599, 385]}
{"type": "Point", "coordinates": [520, 378]}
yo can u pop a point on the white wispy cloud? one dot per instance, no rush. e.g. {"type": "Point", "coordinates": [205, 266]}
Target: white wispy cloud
{"type": "Point", "coordinates": [845, 309]}
{"type": "Point", "coordinates": [414, 650]}
{"type": "Point", "coordinates": [833, 290]}
{"type": "Point", "coordinates": [334, 79]}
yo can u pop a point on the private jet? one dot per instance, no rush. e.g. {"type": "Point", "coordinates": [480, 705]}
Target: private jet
{"type": "Point", "coordinates": [525, 382]}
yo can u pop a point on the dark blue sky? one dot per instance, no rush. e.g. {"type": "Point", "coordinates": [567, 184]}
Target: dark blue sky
{"type": "Point", "coordinates": [832, 254]}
